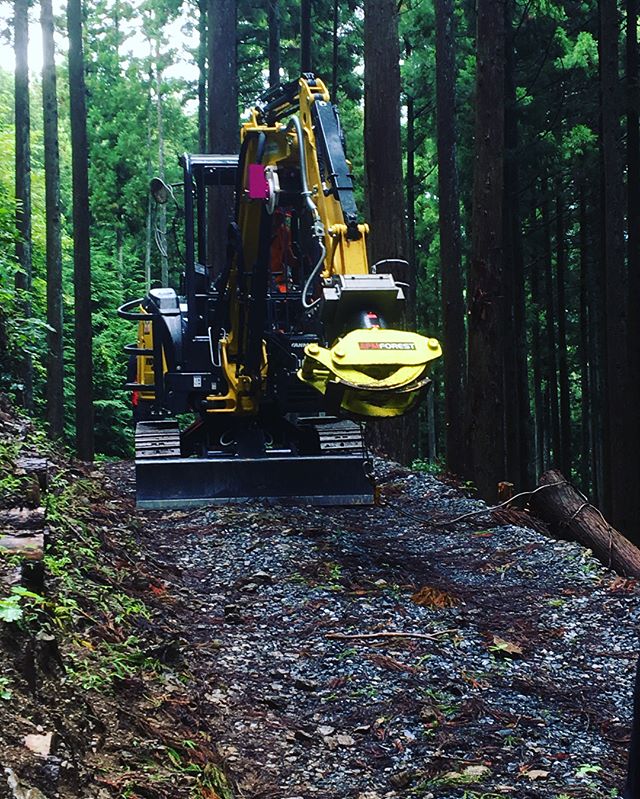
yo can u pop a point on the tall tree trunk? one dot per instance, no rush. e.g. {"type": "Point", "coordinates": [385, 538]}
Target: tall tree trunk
{"type": "Point", "coordinates": [23, 184]}
{"type": "Point", "coordinates": [305, 36]}
{"type": "Point", "coordinates": [383, 159]}
{"type": "Point", "coordinates": [410, 180]}
{"type": "Point", "coordinates": [536, 357]}
{"type": "Point", "coordinates": [81, 240]}
{"type": "Point", "coordinates": [55, 363]}
{"type": "Point", "coordinates": [485, 403]}
{"type": "Point", "coordinates": [517, 387]}
{"type": "Point", "coordinates": [598, 338]}
{"type": "Point", "coordinates": [551, 372]}
{"type": "Point", "coordinates": [450, 246]}
{"type": "Point", "coordinates": [621, 477]}
{"type": "Point", "coordinates": [633, 221]}
{"type": "Point", "coordinates": [273, 15]}
{"type": "Point", "coordinates": [161, 208]}
{"type": "Point", "coordinates": [334, 58]}
{"type": "Point", "coordinates": [202, 75]}
{"type": "Point", "coordinates": [586, 465]}
{"type": "Point", "coordinates": [564, 460]}
{"type": "Point", "coordinates": [149, 230]}
{"type": "Point", "coordinates": [223, 118]}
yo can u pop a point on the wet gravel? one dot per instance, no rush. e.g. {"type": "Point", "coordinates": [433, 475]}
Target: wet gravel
{"type": "Point", "coordinates": [522, 687]}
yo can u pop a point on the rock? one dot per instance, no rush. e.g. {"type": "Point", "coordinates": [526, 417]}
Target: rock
{"type": "Point", "coordinates": [216, 697]}
{"type": "Point", "coordinates": [40, 744]}
{"type": "Point", "coordinates": [326, 729]}
{"type": "Point", "coordinates": [262, 578]}
{"type": "Point", "coordinates": [305, 685]}
{"type": "Point", "coordinates": [19, 789]}
{"type": "Point", "coordinates": [401, 779]}
{"type": "Point", "coordinates": [470, 773]}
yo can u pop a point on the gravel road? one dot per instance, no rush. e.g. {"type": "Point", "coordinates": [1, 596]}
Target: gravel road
{"type": "Point", "coordinates": [510, 675]}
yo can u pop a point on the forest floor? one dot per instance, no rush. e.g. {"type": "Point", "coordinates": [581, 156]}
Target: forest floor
{"type": "Point", "coordinates": [245, 651]}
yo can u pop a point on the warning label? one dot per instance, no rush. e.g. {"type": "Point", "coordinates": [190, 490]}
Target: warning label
{"type": "Point", "coordinates": [386, 345]}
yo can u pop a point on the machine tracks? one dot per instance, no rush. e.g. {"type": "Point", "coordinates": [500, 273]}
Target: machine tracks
{"type": "Point", "coordinates": [157, 439]}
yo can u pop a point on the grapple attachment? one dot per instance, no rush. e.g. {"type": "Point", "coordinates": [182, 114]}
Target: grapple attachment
{"type": "Point", "coordinates": [371, 372]}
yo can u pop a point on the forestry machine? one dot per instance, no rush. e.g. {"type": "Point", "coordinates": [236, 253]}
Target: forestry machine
{"type": "Point", "coordinates": [284, 348]}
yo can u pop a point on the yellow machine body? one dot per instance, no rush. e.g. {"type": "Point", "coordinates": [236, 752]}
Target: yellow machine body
{"type": "Point", "coordinates": [282, 337]}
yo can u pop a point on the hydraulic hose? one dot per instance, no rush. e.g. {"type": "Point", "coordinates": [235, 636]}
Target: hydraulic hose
{"type": "Point", "coordinates": [318, 227]}
{"type": "Point", "coordinates": [316, 269]}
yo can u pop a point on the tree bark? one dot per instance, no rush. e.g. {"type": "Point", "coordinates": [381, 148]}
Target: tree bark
{"type": "Point", "coordinates": [587, 467]}
{"type": "Point", "coordinates": [149, 225]}
{"type": "Point", "coordinates": [563, 368]}
{"type": "Point", "coordinates": [410, 179]}
{"type": "Point", "coordinates": [518, 420]}
{"type": "Point", "coordinates": [161, 208]}
{"type": "Point", "coordinates": [202, 75]}
{"type": "Point", "coordinates": [81, 239]}
{"type": "Point", "coordinates": [621, 482]}
{"type": "Point", "coordinates": [571, 516]}
{"type": "Point", "coordinates": [485, 385]}
{"type": "Point", "coordinates": [450, 245]}
{"type": "Point", "coordinates": [23, 186]}
{"type": "Point", "coordinates": [55, 362]}
{"type": "Point", "coordinates": [334, 55]}
{"type": "Point", "coordinates": [536, 358]}
{"type": "Point", "coordinates": [273, 15]}
{"type": "Point", "coordinates": [633, 223]}
{"type": "Point", "coordinates": [223, 119]}
{"type": "Point", "coordinates": [305, 36]}
{"type": "Point", "coordinates": [551, 372]}
{"type": "Point", "coordinates": [385, 194]}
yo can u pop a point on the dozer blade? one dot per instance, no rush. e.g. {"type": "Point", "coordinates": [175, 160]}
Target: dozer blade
{"type": "Point", "coordinates": [291, 479]}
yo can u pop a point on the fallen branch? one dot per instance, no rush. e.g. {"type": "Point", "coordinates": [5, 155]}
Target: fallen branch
{"type": "Point", "coordinates": [492, 508]}
{"type": "Point", "coordinates": [389, 634]}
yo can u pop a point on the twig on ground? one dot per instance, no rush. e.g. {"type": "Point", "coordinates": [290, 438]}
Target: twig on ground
{"type": "Point", "coordinates": [492, 508]}
{"type": "Point", "coordinates": [389, 634]}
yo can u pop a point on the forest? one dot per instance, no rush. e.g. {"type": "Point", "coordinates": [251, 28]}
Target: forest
{"type": "Point", "coordinates": [263, 588]}
{"type": "Point", "coordinates": [495, 145]}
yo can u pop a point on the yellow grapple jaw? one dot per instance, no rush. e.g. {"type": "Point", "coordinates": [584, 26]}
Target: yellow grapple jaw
{"type": "Point", "coordinates": [372, 372]}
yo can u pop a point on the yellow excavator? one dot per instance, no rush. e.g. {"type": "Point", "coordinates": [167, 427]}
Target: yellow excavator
{"type": "Point", "coordinates": [280, 352]}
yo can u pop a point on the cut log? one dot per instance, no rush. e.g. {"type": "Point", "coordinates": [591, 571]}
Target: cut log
{"type": "Point", "coordinates": [520, 518]}
{"type": "Point", "coordinates": [573, 517]}
{"type": "Point", "coordinates": [38, 467]}
{"type": "Point", "coordinates": [15, 520]}
{"type": "Point", "coordinates": [30, 547]}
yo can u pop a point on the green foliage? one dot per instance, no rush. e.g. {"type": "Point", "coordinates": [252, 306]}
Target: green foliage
{"type": "Point", "coordinates": [5, 691]}
{"type": "Point", "coordinates": [10, 609]}
{"type": "Point", "coordinates": [428, 467]}
{"type": "Point", "coordinates": [20, 605]}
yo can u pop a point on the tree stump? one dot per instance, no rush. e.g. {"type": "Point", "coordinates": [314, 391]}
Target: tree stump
{"type": "Point", "coordinates": [572, 517]}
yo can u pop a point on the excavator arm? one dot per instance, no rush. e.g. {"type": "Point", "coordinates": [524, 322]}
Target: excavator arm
{"type": "Point", "coordinates": [363, 368]}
